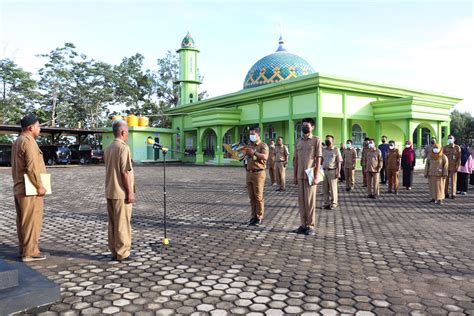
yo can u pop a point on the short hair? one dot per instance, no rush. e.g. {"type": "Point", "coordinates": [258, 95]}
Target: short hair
{"type": "Point", "coordinates": [391, 141]}
{"type": "Point", "coordinates": [384, 136]}
{"type": "Point", "coordinates": [366, 139]}
{"type": "Point", "coordinates": [280, 137]}
{"type": "Point", "coordinates": [308, 120]}
{"type": "Point", "coordinates": [117, 126]}
{"type": "Point", "coordinates": [371, 139]}
{"type": "Point", "coordinates": [451, 135]}
{"type": "Point", "coordinates": [330, 136]}
{"type": "Point", "coordinates": [349, 141]}
{"type": "Point", "coordinates": [271, 140]}
{"type": "Point", "coordinates": [256, 129]}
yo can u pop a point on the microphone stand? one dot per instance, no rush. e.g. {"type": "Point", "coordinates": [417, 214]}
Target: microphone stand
{"type": "Point", "coordinates": [165, 150]}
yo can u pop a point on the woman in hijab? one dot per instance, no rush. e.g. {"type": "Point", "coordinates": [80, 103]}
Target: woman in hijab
{"type": "Point", "coordinates": [464, 170]}
{"type": "Point", "coordinates": [436, 170]}
{"type": "Point", "coordinates": [408, 164]}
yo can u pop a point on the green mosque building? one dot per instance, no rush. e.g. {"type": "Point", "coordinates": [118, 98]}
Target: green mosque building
{"type": "Point", "coordinates": [282, 88]}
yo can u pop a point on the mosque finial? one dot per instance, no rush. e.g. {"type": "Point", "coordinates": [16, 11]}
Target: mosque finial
{"type": "Point", "coordinates": [281, 42]}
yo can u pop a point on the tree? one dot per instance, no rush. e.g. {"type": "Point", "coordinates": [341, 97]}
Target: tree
{"type": "Point", "coordinates": [91, 92]}
{"type": "Point", "coordinates": [17, 92]}
{"type": "Point", "coordinates": [135, 88]}
{"type": "Point", "coordinates": [462, 126]}
{"type": "Point", "coordinates": [55, 83]}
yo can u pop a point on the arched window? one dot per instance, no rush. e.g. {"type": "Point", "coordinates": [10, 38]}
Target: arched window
{"type": "Point", "coordinates": [270, 133]}
{"type": "Point", "coordinates": [190, 98]}
{"type": "Point", "coordinates": [227, 137]}
{"type": "Point", "coordinates": [357, 136]}
{"type": "Point", "coordinates": [298, 130]}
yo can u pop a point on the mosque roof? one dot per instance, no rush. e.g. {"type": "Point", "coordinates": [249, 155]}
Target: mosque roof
{"type": "Point", "coordinates": [188, 42]}
{"type": "Point", "coordinates": [276, 67]}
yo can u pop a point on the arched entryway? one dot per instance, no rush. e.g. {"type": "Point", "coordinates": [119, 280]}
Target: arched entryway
{"type": "Point", "coordinates": [209, 140]}
{"type": "Point", "coordinates": [358, 136]}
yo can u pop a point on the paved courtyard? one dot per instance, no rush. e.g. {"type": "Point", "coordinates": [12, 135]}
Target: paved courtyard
{"type": "Point", "coordinates": [395, 255]}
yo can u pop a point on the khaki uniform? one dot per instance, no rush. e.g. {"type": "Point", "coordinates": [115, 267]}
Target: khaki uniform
{"type": "Point", "coordinates": [281, 161]}
{"type": "Point", "coordinates": [349, 160]}
{"type": "Point", "coordinates": [271, 164]}
{"type": "Point", "coordinates": [453, 153]}
{"type": "Point", "coordinates": [372, 165]}
{"type": "Point", "coordinates": [362, 162]}
{"type": "Point", "coordinates": [306, 152]}
{"type": "Point", "coordinates": [256, 181]}
{"type": "Point", "coordinates": [27, 158]}
{"type": "Point", "coordinates": [118, 160]}
{"type": "Point", "coordinates": [331, 165]}
{"type": "Point", "coordinates": [436, 171]}
{"type": "Point", "coordinates": [393, 168]}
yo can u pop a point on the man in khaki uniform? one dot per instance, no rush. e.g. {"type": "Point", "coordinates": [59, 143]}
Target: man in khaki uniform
{"type": "Point", "coordinates": [27, 158]}
{"type": "Point", "coordinates": [331, 166]}
{"type": "Point", "coordinates": [372, 164]}
{"type": "Point", "coordinates": [453, 152]}
{"type": "Point", "coordinates": [362, 161]}
{"type": "Point", "coordinates": [281, 162]}
{"type": "Point", "coordinates": [120, 192]}
{"type": "Point", "coordinates": [393, 161]}
{"type": "Point", "coordinates": [257, 153]}
{"type": "Point", "coordinates": [308, 152]}
{"type": "Point", "coordinates": [271, 161]}
{"type": "Point", "coordinates": [349, 161]}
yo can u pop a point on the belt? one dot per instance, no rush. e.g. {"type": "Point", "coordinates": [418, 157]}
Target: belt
{"type": "Point", "coordinates": [256, 170]}
{"type": "Point", "coordinates": [326, 169]}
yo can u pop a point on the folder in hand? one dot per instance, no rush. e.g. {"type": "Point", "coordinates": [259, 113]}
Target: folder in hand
{"type": "Point", "coordinates": [30, 189]}
{"type": "Point", "coordinates": [310, 175]}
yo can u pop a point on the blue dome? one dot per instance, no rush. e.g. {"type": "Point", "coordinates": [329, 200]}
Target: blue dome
{"type": "Point", "coordinates": [277, 67]}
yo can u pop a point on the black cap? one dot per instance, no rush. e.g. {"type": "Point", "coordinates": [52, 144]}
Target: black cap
{"type": "Point", "coordinates": [28, 120]}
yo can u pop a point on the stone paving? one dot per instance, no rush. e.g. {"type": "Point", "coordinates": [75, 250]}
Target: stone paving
{"type": "Point", "coordinates": [395, 255]}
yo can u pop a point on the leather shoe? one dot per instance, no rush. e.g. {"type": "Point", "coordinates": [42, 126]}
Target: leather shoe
{"type": "Point", "coordinates": [300, 230]}
{"type": "Point", "coordinates": [257, 222]}
{"type": "Point", "coordinates": [130, 258]}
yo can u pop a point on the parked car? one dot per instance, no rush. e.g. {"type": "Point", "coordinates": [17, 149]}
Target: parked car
{"type": "Point", "coordinates": [83, 154]}
{"type": "Point", "coordinates": [5, 154]}
{"type": "Point", "coordinates": [56, 154]}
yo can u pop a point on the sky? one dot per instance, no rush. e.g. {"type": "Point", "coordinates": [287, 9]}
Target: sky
{"type": "Point", "coordinates": [426, 45]}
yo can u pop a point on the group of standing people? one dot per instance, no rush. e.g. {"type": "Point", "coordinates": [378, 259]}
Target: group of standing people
{"type": "Point", "coordinates": [446, 168]}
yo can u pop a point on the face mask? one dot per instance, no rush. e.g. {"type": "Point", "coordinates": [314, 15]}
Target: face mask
{"type": "Point", "coordinates": [272, 146]}
{"type": "Point", "coordinates": [348, 146]}
{"type": "Point", "coordinates": [391, 147]}
{"type": "Point", "coordinates": [253, 138]}
{"type": "Point", "coordinates": [436, 150]}
{"type": "Point", "coordinates": [328, 143]}
{"type": "Point", "coordinates": [450, 141]}
{"type": "Point", "coordinates": [371, 145]}
{"type": "Point", "coordinates": [433, 142]}
{"type": "Point", "coordinates": [407, 146]}
{"type": "Point", "coordinates": [305, 129]}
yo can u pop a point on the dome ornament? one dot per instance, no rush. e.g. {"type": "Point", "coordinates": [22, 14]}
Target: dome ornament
{"type": "Point", "coordinates": [281, 42]}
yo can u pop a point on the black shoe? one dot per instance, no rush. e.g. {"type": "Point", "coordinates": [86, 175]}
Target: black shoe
{"type": "Point", "coordinates": [389, 191]}
{"type": "Point", "coordinates": [300, 230]}
{"type": "Point", "coordinates": [446, 196]}
{"type": "Point", "coordinates": [396, 192]}
{"type": "Point", "coordinates": [453, 197]}
{"type": "Point", "coordinates": [348, 189]}
{"type": "Point", "coordinates": [310, 232]}
{"type": "Point", "coordinates": [369, 196]}
{"type": "Point", "coordinates": [373, 196]}
{"type": "Point", "coordinates": [332, 207]}
{"type": "Point", "coordinates": [432, 200]}
{"type": "Point", "coordinates": [327, 207]}
{"type": "Point", "coordinates": [257, 222]}
{"type": "Point", "coordinates": [250, 221]}
{"type": "Point", "coordinates": [278, 190]}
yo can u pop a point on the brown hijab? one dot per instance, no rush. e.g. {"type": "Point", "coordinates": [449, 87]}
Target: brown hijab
{"type": "Point", "coordinates": [438, 155]}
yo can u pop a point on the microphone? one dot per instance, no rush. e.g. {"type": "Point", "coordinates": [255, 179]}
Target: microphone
{"type": "Point", "coordinates": [156, 145]}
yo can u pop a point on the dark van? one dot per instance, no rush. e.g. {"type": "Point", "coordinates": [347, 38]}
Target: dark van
{"type": "Point", "coordinates": [83, 154]}
{"type": "Point", "coordinates": [5, 154]}
{"type": "Point", "coordinates": [56, 154]}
